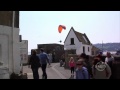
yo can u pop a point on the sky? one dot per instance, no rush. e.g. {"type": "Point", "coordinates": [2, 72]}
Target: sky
{"type": "Point", "coordinates": [41, 27]}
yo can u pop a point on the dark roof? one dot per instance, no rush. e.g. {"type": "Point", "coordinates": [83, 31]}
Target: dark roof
{"type": "Point", "coordinates": [50, 44]}
{"type": "Point", "coordinates": [80, 37]}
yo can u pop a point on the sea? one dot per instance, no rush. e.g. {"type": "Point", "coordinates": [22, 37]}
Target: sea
{"type": "Point", "coordinates": [112, 52]}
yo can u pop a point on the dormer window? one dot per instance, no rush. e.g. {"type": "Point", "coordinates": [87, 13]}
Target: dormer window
{"type": "Point", "coordinates": [72, 41]}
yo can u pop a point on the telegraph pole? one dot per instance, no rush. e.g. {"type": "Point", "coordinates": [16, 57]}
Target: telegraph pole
{"type": "Point", "coordinates": [102, 46]}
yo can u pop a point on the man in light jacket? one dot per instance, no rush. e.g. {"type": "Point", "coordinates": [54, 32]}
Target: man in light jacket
{"type": "Point", "coordinates": [100, 69]}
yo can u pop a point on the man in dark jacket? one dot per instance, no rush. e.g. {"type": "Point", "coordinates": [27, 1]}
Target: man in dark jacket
{"type": "Point", "coordinates": [87, 63]}
{"type": "Point", "coordinates": [35, 64]}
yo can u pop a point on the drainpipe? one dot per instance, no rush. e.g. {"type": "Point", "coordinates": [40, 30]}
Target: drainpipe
{"type": "Point", "coordinates": [13, 18]}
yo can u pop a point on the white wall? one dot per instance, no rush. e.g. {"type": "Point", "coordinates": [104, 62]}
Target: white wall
{"type": "Point", "coordinates": [86, 49]}
{"type": "Point", "coordinates": [80, 50]}
{"type": "Point", "coordinates": [67, 45]}
{"type": "Point", "coordinates": [6, 47]}
{"type": "Point", "coordinates": [24, 51]}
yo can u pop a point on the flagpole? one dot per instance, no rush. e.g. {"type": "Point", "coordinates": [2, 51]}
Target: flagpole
{"type": "Point", "coordinates": [102, 46]}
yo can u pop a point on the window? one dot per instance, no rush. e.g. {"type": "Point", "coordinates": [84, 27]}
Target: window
{"type": "Point", "coordinates": [83, 49]}
{"type": "Point", "coordinates": [72, 41]}
{"type": "Point", "coordinates": [88, 49]}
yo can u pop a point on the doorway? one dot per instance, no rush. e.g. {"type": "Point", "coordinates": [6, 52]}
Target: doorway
{"type": "Point", "coordinates": [83, 49]}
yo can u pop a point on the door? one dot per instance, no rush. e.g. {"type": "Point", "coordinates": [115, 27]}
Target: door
{"type": "Point", "coordinates": [83, 49]}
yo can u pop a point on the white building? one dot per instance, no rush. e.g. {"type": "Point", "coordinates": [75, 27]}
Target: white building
{"type": "Point", "coordinates": [78, 42]}
{"type": "Point", "coordinates": [9, 44]}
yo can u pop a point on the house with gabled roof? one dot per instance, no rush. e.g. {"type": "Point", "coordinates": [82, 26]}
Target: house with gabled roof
{"type": "Point", "coordinates": [78, 41]}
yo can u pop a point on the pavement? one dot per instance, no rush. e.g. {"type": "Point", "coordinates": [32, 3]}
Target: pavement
{"type": "Point", "coordinates": [65, 72]}
{"type": "Point", "coordinates": [53, 72]}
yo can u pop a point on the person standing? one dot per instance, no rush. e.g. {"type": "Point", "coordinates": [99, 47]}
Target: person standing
{"type": "Point", "coordinates": [35, 64]}
{"type": "Point", "coordinates": [72, 65]}
{"type": "Point", "coordinates": [109, 60]}
{"type": "Point", "coordinates": [50, 58]}
{"type": "Point", "coordinates": [44, 60]}
{"type": "Point", "coordinates": [50, 55]}
{"type": "Point", "coordinates": [100, 69]}
{"type": "Point", "coordinates": [81, 71]}
{"type": "Point", "coordinates": [86, 62]}
{"type": "Point", "coordinates": [109, 57]}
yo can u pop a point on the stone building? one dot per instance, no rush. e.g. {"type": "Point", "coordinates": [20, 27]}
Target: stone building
{"type": "Point", "coordinates": [9, 43]}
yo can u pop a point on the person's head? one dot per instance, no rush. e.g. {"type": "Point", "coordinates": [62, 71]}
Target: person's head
{"type": "Point", "coordinates": [97, 59]}
{"type": "Point", "coordinates": [80, 63]}
{"type": "Point", "coordinates": [83, 56]}
{"type": "Point", "coordinates": [41, 50]}
{"type": "Point", "coordinates": [33, 52]}
{"type": "Point", "coordinates": [71, 59]}
{"type": "Point", "coordinates": [100, 53]}
{"type": "Point", "coordinates": [108, 54]}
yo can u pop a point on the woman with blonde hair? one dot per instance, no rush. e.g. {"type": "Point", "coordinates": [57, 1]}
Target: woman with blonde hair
{"type": "Point", "coordinates": [72, 65]}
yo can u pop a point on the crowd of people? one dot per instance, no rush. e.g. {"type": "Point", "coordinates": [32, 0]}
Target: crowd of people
{"type": "Point", "coordinates": [82, 69]}
{"type": "Point", "coordinates": [100, 69]}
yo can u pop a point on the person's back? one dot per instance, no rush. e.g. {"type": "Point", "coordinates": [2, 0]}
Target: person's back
{"type": "Point", "coordinates": [34, 61]}
{"type": "Point", "coordinates": [43, 58]}
{"type": "Point", "coordinates": [35, 64]}
{"type": "Point", "coordinates": [115, 69]}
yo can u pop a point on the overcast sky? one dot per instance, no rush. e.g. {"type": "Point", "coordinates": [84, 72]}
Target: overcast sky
{"type": "Point", "coordinates": [40, 27]}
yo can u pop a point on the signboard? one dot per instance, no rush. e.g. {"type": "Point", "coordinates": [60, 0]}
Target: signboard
{"type": "Point", "coordinates": [24, 51]}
